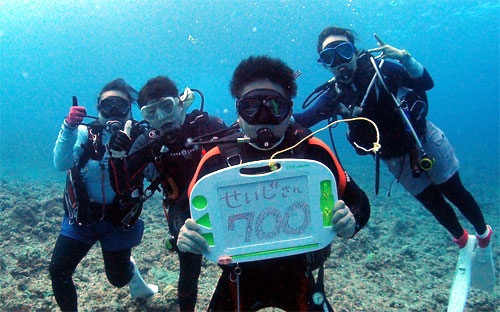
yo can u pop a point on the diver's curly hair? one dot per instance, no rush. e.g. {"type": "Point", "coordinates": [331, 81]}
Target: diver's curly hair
{"type": "Point", "coordinates": [157, 87]}
{"type": "Point", "coordinates": [263, 68]}
{"type": "Point", "coordinates": [120, 85]}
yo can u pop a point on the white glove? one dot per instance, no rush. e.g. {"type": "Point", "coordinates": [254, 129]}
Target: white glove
{"type": "Point", "coordinates": [343, 220]}
{"type": "Point", "coordinates": [190, 239]}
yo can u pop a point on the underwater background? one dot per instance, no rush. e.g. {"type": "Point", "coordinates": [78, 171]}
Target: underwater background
{"type": "Point", "coordinates": [52, 50]}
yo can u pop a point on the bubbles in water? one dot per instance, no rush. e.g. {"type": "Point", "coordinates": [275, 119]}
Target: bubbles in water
{"type": "Point", "coordinates": [254, 29]}
{"type": "Point", "coordinates": [192, 39]}
{"type": "Point", "coordinates": [25, 75]}
{"type": "Point", "coordinates": [225, 111]}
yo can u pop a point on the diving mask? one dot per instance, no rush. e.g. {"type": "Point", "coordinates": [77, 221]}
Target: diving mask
{"type": "Point", "coordinates": [263, 106]}
{"type": "Point", "coordinates": [114, 106]}
{"type": "Point", "coordinates": [168, 110]}
{"type": "Point", "coordinates": [161, 111]}
{"type": "Point", "coordinates": [343, 49]}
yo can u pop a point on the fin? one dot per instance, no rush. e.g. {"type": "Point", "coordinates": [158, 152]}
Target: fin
{"type": "Point", "coordinates": [138, 288]}
{"type": "Point", "coordinates": [483, 269]}
{"type": "Point", "coordinates": [461, 283]}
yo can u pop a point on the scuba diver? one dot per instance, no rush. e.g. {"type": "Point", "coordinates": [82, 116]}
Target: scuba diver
{"type": "Point", "coordinates": [93, 212]}
{"type": "Point", "coordinates": [263, 88]}
{"type": "Point", "coordinates": [392, 94]}
{"type": "Point", "coordinates": [167, 156]}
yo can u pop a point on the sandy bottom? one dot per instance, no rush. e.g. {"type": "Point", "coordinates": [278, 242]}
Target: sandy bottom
{"type": "Point", "coordinates": [402, 261]}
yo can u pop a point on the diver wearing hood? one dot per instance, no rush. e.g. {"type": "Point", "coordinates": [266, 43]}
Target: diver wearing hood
{"type": "Point", "coordinates": [164, 157]}
{"type": "Point", "coordinates": [358, 91]}
{"type": "Point", "coordinates": [263, 88]}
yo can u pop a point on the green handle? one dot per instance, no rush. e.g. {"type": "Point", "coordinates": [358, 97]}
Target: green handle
{"type": "Point", "coordinates": [326, 202]}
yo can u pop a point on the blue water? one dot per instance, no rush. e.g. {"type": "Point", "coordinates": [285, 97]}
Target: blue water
{"type": "Point", "coordinates": [51, 50]}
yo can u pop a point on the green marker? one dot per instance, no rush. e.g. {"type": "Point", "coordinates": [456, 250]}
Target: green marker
{"type": "Point", "coordinates": [326, 202]}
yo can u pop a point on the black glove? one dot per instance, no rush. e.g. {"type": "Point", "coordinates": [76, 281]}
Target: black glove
{"type": "Point", "coordinates": [119, 144]}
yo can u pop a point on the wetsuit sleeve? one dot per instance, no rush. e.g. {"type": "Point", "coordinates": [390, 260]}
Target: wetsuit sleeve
{"type": "Point", "coordinates": [127, 173]}
{"type": "Point", "coordinates": [357, 201]}
{"type": "Point", "coordinates": [348, 191]}
{"type": "Point", "coordinates": [397, 74]}
{"type": "Point", "coordinates": [67, 149]}
{"type": "Point", "coordinates": [140, 159]}
{"type": "Point", "coordinates": [322, 109]}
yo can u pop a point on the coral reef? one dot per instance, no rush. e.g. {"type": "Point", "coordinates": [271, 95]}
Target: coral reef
{"type": "Point", "coordinates": [402, 261]}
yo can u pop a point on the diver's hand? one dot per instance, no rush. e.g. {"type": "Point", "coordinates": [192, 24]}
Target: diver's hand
{"type": "Point", "coordinates": [136, 129]}
{"type": "Point", "coordinates": [343, 111]}
{"type": "Point", "coordinates": [190, 239]}
{"type": "Point", "coordinates": [75, 116]}
{"type": "Point", "coordinates": [343, 220]}
{"type": "Point", "coordinates": [119, 144]}
{"type": "Point", "coordinates": [388, 51]}
{"type": "Point", "coordinates": [357, 111]}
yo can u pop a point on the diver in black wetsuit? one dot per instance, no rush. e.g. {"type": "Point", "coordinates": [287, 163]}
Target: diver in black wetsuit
{"type": "Point", "coordinates": [351, 96]}
{"type": "Point", "coordinates": [162, 156]}
{"type": "Point", "coordinates": [264, 88]}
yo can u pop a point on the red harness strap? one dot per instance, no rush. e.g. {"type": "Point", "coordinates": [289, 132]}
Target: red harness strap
{"type": "Point", "coordinates": [341, 183]}
{"type": "Point", "coordinates": [214, 151]}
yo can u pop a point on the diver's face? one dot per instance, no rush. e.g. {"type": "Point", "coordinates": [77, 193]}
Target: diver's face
{"type": "Point", "coordinates": [343, 72]}
{"type": "Point", "coordinates": [262, 128]}
{"type": "Point", "coordinates": [164, 113]}
{"type": "Point", "coordinates": [114, 105]}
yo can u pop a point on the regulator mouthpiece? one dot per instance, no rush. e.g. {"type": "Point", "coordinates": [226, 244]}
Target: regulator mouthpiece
{"type": "Point", "coordinates": [266, 138]}
{"type": "Point", "coordinates": [345, 73]}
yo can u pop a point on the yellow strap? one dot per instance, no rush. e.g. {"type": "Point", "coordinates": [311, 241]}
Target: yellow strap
{"type": "Point", "coordinates": [375, 148]}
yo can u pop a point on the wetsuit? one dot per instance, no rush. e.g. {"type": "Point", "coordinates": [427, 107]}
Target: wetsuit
{"type": "Point", "coordinates": [284, 282]}
{"type": "Point", "coordinates": [75, 240]}
{"type": "Point", "coordinates": [174, 163]}
{"type": "Point", "coordinates": [431, 187]}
